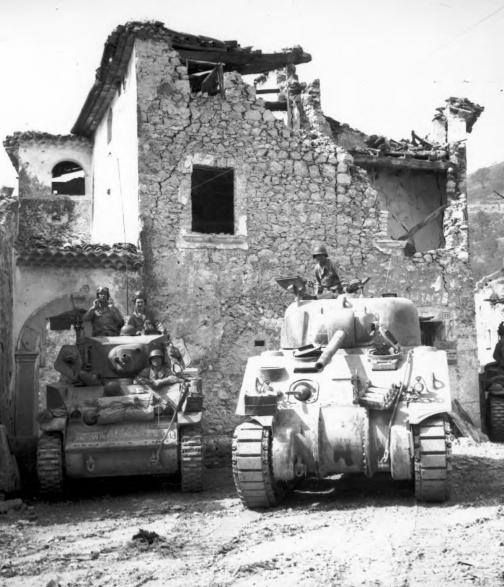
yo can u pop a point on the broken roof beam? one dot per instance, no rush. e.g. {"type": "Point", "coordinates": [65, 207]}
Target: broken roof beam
{"type": "Point", "coordinates": [246, 63]}
{"type": "Point", "coordinates": [400, 163]}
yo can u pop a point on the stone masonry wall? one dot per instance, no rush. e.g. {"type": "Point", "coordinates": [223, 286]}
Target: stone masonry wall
{"type": "Point", "coordinates": [8, 228]}
{"type": "Point", "coordinates": [292, 188]}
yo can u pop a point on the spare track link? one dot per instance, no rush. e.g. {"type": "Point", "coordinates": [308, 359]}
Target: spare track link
{"type": "Point", "coordinates": [252, 470]}
{"type": "Point", "coordinates": [191, 460]}
{"type": "Point", "coordinates": [432, 459]}
{"type": "Point", "coordinates": [50, 464]}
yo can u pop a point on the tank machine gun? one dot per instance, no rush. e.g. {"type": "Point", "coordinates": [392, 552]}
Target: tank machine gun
{"type": "Point", "coordinates": [350, 390]}
{"type": "Point", "coordinates": [100, 420]}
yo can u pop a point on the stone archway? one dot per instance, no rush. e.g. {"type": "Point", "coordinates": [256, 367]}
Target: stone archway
{"type": "Point", "coordinates": [28, 353]}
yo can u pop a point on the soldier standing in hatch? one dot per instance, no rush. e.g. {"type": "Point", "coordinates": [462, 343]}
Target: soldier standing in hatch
{"type": "Point", "coordinates": [105, 318]}
{"type": "Point", "coordinates": [326, 276]}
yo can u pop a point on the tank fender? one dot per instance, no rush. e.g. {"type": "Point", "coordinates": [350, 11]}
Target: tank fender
{"type": "Point", "coordinates": [401, 447]}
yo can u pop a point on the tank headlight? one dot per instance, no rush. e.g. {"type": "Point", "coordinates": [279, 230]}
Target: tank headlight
{"type": "Point", "coordinates": [303, 390]}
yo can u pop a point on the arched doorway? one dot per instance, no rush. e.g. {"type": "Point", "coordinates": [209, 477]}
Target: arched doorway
{"type": "Point", "coordinates": [32, 351]}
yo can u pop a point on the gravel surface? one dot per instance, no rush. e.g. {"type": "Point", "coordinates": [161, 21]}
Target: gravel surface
{"type": "Point", "coordinates": [341, 531]}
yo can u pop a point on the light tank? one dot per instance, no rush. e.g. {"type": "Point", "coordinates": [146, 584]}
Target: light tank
{"type": "Point", "coordinates": [102, 420]}
{"type": "Point", "coordinates": [351, 390]}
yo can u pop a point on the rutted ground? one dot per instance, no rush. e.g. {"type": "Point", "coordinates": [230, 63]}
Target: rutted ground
{"type": "Point", "coordinates": [339, 531]}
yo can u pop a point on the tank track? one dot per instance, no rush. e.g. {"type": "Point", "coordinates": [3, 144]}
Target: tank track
{"type": "Point", "coordinates": [50, 464]}
{"type": "Point", "coordinates": [191, 460]}
{"type": "Point", "coordinates": [252, 467]}
{"type": "Point", "coordinates": [496, 418]}
{"type": "Point", "coordinates": [432, 459]}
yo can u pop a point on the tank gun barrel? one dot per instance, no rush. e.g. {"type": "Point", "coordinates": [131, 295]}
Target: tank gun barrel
{"type": "Point", "coordinates": [334, 344]}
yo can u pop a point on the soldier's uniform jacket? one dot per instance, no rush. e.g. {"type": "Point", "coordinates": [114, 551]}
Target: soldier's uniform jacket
{"type": "Point", "coordinates": [138, 321]}
{"type": "Point", "coordinates": [106, 320]}
{"type": "Point", "coordinates": [327, 276]}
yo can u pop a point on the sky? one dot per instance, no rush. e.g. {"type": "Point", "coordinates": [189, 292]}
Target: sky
{"type": "Point", "coordinates": [384, 65]}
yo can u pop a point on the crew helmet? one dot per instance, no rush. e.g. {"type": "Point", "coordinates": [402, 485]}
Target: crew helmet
{"type": "Point", "coordinates": [139, 295]}
{"type": "Point", "coordinates": [156, 353]}
{"type": "Point", "coordinates": [319, 250]}
{"type": "Point", "coordinates": [104, 290]}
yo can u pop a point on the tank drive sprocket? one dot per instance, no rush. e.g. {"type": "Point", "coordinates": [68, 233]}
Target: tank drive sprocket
{"type": "Point", "coordinates": [432, 460]}
{"type": "Point", "coordinates": [191, 460]}
{"type": "Point", "coordinates": [50, 464]}
{"type": "Point", "coordinates": [252, 467]}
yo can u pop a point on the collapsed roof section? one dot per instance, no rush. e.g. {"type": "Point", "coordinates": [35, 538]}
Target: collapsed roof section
{"type": "Point", "coordinates": [193, 48]}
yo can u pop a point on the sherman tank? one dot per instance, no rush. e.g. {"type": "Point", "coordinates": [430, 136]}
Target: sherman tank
{"type": "Point", "coordinates": [351, 390]}
{"type": "Point", "coordinates": [103, 419]}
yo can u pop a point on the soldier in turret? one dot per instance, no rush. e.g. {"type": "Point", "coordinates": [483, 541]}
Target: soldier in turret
{"type": "Point", "coordinates": [141, 320]}
{"type": "Point", "coordinates": [105, 318]}
{"type": "Point", "coordinates": [326, 276]}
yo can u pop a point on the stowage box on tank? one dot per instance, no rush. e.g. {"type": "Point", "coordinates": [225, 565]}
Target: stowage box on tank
{"type": "Point", "coordinates": [351, 390]}
{"type": "Point", "coordinates": [103, 420]}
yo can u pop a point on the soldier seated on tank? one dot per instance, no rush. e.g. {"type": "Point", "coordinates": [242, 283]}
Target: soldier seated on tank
{"type": "Point", "coordinates": [141, 321]}
{"type": "Point", "coordinates": [159, 374]}
{"type": "Point", "coordinates": [326, 276]}
{"type": "Point", "coordinates": [160, 377]}
{"type": "Point", "coordinates": [105, 318]}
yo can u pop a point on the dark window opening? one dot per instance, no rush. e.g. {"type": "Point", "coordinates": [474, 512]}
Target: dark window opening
{"type": "Point", "coordinates": [68, 179]}
{"type": "Point", "coordinates": [431, 331]}
{"type": "Point", "coordinates": [212, 197]}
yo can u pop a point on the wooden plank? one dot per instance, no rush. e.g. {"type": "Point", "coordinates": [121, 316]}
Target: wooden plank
{"type": "Point", "coordinates": [434, 461]}
{"type": "Point", "coordinates": [249, 464]}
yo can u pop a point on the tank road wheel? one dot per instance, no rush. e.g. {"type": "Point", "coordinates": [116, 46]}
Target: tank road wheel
{"type": "Point", "coordinates": [496, 417]}
{"type": "Point", "coordinates": [191, 460]}
{"type": "Point", "coordinates": [252, 467]}
{"type": "Point", "coordinates": [432, 456]}
{"type": "Point", "coordinates": [50, 464]}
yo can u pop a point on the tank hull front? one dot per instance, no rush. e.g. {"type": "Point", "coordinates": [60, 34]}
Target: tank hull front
{"type": "Point", "coordinates": [129, 448]}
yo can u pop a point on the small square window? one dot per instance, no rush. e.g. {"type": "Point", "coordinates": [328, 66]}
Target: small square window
{"type": "Point", "coordinates": [212, 200]}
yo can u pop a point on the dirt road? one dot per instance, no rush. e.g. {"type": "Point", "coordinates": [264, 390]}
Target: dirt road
{"type": "Point", "coordinates": [337, 532]}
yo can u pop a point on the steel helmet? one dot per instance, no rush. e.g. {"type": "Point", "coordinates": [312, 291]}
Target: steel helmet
{"type": "Point", "coordinates": [140, 295]}
{"type": "Point", "coordinates": [104, 290]}
{"type": "Point", "coordinates": [319, 250]}
{"type": "Point", "coordinates": [156, 353]}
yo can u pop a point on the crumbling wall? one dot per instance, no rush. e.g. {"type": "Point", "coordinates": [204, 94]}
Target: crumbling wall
{"type": "Point", "coordinates": [8, 228]}
{"type": "Point", "coordinates": [292, 188]}
{"type": "Point", "coordinates": [218, 292]}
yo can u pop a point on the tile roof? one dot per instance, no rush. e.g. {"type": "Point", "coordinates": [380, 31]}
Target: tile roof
{"type": "Point", "coordinates": [117, 52]}
{"type": "Point", "coordinates": [55, 253]}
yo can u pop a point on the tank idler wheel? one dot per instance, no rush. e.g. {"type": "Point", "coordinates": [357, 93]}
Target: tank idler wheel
{"type": "Point", "coordinates": [50, 464]}
{"type": "Point", "coordinates": [191, 460]}
{"type": "Point", "coordinates": [496, 417]}
{"type": "Point", "coordinates": [252, 467]}
{"type": "Point", "coordinates": [432, 460]}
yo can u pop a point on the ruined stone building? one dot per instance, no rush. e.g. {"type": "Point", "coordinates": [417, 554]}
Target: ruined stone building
{"type": "Point", "coordinates": [205, 187]}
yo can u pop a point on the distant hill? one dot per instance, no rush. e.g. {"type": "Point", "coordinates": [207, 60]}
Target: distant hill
{"type": "Point", "coordinates": [486, 219]}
